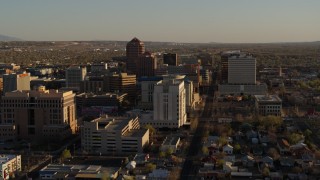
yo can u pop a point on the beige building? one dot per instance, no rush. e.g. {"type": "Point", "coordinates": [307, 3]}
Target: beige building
{"type": "Point", "coordinates": [268, 105]}
{"type": "Point", "coordinates": [169, 103]}
{"type": "Point", "coordinates": [12, 82]}
{"type": "Point", "coordinates": [114, 135]}
{"type": "Point", "coordinates": [123, 83]}
{"type": "Point", "coordinates": [37, 114]}
{"type": "Point", "coordinates": [9, 164]}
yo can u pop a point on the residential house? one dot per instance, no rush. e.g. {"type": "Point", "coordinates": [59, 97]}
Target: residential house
{"type": "Point", "coordinates": [286, 161]}
{"type": "Point", "coordinates": [267, 160]}
{"type": "Point", "coordinates": [263, 137]}
{"type": "Point", "coordinates": [228, 149]}
{"type": "Point", "coordinates": [283, 146]}
{"type": "Point", "coordinates": [248, 161]}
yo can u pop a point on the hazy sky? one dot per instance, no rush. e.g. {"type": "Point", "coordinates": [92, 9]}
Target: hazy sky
{"type": "Point", "coordinates": [162, 20]}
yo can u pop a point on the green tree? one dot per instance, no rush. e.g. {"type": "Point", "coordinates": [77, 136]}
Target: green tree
{"type": "Point", "coordinates": [150, 167]}
{"type": "Point", "coordinates": [222, 141]}
{"type": "Point", "coordinates": [237, 148]}
{"type": "Point", "coordinates": [294, 138]}
{"type": "Point", "coordinates": [66, 154]}
{"type": "Point", "coordinates": [169, 151]}
{"type": "Point", "coordinates": [307, 133]}
{"type": "Point", "coordinates": [205, 150]}
{"type": "Point", "coordinates": [162, 154]}
{"type": "Point", "coordinates": [265, 171]}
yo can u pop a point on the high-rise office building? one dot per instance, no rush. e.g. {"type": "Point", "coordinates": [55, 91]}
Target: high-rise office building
{"type": "Point", "coordinates": [134, 49]}
{"type": "Point", "coordinates": [123, 83]}
{"type": "Point", "coordinates": [147, 64]}
{"type": "Point", "coordinates": [12, 82]}
{"type": "Point", "coordinates": [37, 114]}
{"type": "Point", "coordinates": [241, 70]}
{"type": "Point", "coordinates": [171, 59]}
{"type": "Point", "coordinates": [169, 102]}
{"type": "Point", "coordinates": [224, 63]}
{"type": "Point", "coordinates": [74, 75]}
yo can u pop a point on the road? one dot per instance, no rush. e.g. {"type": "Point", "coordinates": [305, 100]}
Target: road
{"type": "Point", "coordinates": [190, 166]}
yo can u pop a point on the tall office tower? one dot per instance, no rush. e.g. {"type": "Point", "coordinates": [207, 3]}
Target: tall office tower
{"type": "Point", "coordinates": [147, 64]}
{"type": "Point", "coordinates": [123, 83]}
{"type": "Point", "coordinates": [169, 102]}
{"type": "Point", "coordinates": [224, 63]}
{"type": "Point", "coordinates": [242, 70]}
{"type": "Point", "coordinates": [37, 114]}
{"type": "Point", "coordinates": [170, 59]}
{"type": "Point", "coordinates": [134, 49]}
{"type": "Point", "coordinates": [74, 75]}
{"type": "Point", "coordinates": [12, 82]}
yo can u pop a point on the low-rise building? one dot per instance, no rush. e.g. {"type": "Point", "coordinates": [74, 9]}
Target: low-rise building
{"type": "Point", "coordinates": [170, 143]}
{"type": "Point", "coordinates": [114, 135]}
{"type": "Point", "coordinates": [9, 165]}
{"type": "Point", "coordinates": [63, 171]}
{"type": "Point", "coordinates": [268, 105]}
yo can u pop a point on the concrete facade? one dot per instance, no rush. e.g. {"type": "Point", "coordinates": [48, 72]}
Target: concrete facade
{"type": "Point", "coordinates": [114, 135]}
{"type": "Point", "coordinates": [268, 105]}
{"type": "Point", "coordinates": [169, 102]}
{"type": "Point", "coordinates": [37, 114]}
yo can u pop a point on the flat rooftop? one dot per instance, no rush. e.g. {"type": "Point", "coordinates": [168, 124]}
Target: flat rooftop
{"type": "Point", "coordinates": [171, 141]}
{"type": "Point", "coordinates": [6, 157]}
{"type": "Point", "coordinates": [267, 98]}
{"type": "Point", "coordinates": [135, 133]}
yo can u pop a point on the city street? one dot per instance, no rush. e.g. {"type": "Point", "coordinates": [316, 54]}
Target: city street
{"type": "Point", "coordinates": [190, 166]}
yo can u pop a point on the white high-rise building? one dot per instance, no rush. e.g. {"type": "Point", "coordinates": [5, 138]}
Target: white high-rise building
{"type": "Point", "coordinates": [241, 70]}
{"type": "Point", "coordinates": [74, 75]}
{"type": "Point", "coordinates": [169, 104]}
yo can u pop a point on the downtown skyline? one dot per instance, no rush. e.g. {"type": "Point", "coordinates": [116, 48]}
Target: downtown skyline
{"type": "Point", "coordinates": [245, 21]}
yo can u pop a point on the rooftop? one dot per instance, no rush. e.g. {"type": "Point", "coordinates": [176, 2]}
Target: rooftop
{"type": "Point", "coordinates": [6, 157]}
{"type": "Point", "coordinates": [171, 141]}
{"type": "Point", "coordinates": [267, 98]}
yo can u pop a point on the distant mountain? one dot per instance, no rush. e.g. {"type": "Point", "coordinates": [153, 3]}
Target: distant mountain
{"type": "Point", "coordinates": [8, 38]}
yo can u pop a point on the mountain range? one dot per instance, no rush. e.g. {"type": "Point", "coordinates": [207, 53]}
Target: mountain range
{"type": "Point", "coordinates": [8, 38]}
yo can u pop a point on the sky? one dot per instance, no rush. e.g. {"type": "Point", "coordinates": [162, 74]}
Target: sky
{"type": "Point", "coordinates": [226, 21]}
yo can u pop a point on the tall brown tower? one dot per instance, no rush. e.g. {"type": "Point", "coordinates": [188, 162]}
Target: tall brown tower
{"type": "Point", "coordinates": [134, 49]}
{"type": "Point", "coordinates": [147, 64]}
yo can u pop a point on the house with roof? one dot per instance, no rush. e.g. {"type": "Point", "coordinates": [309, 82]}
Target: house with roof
{"type": "Point", "coordinates": [267, 160]}
{"type": "Point", "coordinates": [228, 149]}
{"type": "Point", "coordinates": [248, 161]}
{"type": "Point", "coordinates": [283, 146]}
{"type": "Point", "coordinates": [263, 136]}
{"type": "Point", "coordinates": [286, 161]}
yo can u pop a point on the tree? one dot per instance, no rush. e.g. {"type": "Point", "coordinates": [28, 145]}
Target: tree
{"type": "Point", "coordinates": [222, 141]}
{"type": "Point", "coordinates": [265, 171]}
{"type": "Point", "coordinates": [220, 163]}
{"type": "Point", "coordinates": [272, 152]}
{"type": "Point", "coordinates": [294, 138]}
{"type": "Point", "coordinates": [307, 133]}
{"type": "Point", "coordinates": [151, 128]}
{"type": "Point", "coordinates": [150, 167]}
{"type": "Point", "coordinates": [169, 151]}
{"type": "Point", "coordinates": [237, 148]}
{"type": "Point", "coordinates": [66, 154]}
{"type": "Point", "coordinates": [162, 154]}
{"type": "Point", "coordinates": [205, 150]}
